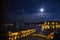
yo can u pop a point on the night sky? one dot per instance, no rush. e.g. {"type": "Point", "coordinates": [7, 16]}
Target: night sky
{"type": "Point", "coordinates": [29, 10]}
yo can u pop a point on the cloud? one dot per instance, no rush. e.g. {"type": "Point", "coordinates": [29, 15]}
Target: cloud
{"type": "Point", "coordinates": [40, 15]}
{"type": "Point", "coordinates": [37, 17]}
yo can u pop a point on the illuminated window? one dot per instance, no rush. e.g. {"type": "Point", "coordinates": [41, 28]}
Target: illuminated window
{"type": "Point", "coordinates": [57, 26]}
{"type": "Point", "coordinates": [56, 22]}
{"type": "Point", "coordinates": [15, 37]}
{"type": "Point", "coordinates": [47, 27]}
{"type": "Point", "coordinates": [48, 23]}
{"type": "Point", "coordinates": [42, 27]}
{"type": "Point", "coordinates": [44, 22]}
{"type": "Point", "coordinates": [52, 22]}
{"type": "Point", "coordinates": [53, 27]}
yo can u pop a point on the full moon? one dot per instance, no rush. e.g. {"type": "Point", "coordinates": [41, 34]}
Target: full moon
{"type": "Point", "coordinates": [41, 9]}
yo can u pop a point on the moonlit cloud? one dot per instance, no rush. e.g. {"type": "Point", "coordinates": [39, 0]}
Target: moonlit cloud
{"type": "Point", "coordinates": [43, 15]}
{"type": "Point", "coordinates": [29, 10]}
{"type": "Point", "coordinates": [36, 17]}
